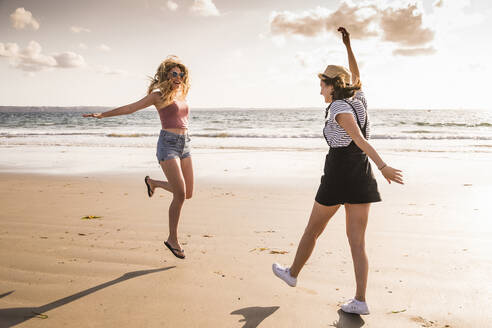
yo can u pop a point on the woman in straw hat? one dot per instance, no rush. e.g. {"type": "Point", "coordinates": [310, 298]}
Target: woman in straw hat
{"type": "Point", "coordinates": [167, 92]}
{"type": "Point", "coordinates": [348, 179]}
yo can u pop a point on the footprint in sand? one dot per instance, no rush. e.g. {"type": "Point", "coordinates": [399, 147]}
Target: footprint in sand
{"type": "Point", "coordinates": [411, 214]}
{"type": "Point", "coordinates": [309, 291]}
{"type": "Point", "coordinates": [426, 323]}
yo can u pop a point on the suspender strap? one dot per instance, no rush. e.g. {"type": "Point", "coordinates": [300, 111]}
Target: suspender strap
{"type": "Point", "coordinates": [363, 129]}
{"type": "Point", "coordinates": [356, 116]}
{"type": "Point", "coordinates": [327, 110]}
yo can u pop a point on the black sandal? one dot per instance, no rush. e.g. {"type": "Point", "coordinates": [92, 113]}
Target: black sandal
{"type": "Point", "coordinates": [149, 190]}
{"type": "Point", "coordinates": [174, 250]}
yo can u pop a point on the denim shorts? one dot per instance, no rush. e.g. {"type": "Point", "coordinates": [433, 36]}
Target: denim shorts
{"type": "Point", "coordinates": [172, 145]}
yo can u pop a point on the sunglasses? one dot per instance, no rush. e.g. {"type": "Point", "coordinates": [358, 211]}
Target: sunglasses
{"type": "Point", "coordinates": [175, 74]}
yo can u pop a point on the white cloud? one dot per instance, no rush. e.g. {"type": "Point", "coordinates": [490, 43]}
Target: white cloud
{"type": "Point", "coordinates": [438, 3]}
{"type": "Point", "coordinates": [31, 58]}
{"type": "Point", "coordinates": [414, 51]}
{"type": "Point", "coordinates": [8, 49]}
{"type": "Point", "coordinates": [357, 19]}
{"type": "Point", "coordinates": [83, 46]}
{"type": "Point", "coordinates": [404, 26]}
{"type": "Point", "coordinates": [401, 24]}
{"type": "Point", "coordinates": [69, 60]}
{"type": "Point", "coordinates": [79, 29]}
{"type": "Point", "coordinates": [204, 8]}
{"type": "Point", "coordinates": [171, 5]}
{"type": "Point", "coordinates": [109, 71]}
{"type": "Point", "coordinates": [104, 47]}
{"type": "Point", "coordinates": [21, 18]}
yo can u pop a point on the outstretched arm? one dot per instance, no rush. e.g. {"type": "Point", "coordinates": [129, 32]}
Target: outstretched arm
{"type": "Point", "coordinates": [128, 109]}
{"type": "Point", "coordinates": [354, 69]}
{"type": "Point", "coordinates": [347, 122]}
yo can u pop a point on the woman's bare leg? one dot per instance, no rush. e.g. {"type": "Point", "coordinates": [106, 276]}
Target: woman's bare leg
{"type": "Point", "coordinates": [159, 184]}
{"type": "Point", "coordinates": [187, 170]}
{"type": "Point", "coordinates": [320, 215]}
{"type": "Point", "coordinates": [356, 223]}
{"type": "Point", "coordinates": [175, 178]}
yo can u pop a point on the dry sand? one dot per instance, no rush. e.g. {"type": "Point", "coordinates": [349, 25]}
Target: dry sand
{"type": "Point", "coordinates": [429, 248]}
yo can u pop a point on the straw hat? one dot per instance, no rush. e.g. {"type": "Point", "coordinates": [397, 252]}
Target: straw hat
{"type": "Point", "coordinates": [333, 71]}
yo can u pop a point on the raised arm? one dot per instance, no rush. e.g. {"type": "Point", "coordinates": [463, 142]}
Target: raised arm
{"type": "Point", "coordinates": [347, 122]}
{"type": "Point", "coordinates": [145, 102]}
{"type": "Point", "coordinates": [354, 69]}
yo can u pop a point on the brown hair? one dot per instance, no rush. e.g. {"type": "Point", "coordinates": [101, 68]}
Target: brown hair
{"type": "Point", "coordinates": [340, 89]}
{"type": "Point", "coordinates": [163, 83]}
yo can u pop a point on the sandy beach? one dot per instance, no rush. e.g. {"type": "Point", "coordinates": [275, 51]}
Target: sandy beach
{"type": "Point", "coordinates": [428, 244]}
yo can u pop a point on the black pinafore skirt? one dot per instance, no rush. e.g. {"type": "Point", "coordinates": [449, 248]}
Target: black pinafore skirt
{"type": "Point", "coordinates": [348, 177]}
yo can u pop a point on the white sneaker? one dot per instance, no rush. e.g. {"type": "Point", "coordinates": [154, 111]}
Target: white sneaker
{"type": "Point", "coordinates": [284, 274]}
{"type": "Point", "coordinates": [355, 306]}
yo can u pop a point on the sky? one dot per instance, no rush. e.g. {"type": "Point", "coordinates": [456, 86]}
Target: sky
{"type": "Point", "coordinates": [248, 54]}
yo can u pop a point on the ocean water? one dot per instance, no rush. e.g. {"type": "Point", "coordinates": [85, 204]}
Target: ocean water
{"type": "Point", "coordinates": [458, 131]}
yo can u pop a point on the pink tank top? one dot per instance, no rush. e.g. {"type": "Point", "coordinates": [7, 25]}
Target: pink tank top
{"type": "Point", "coordinates": [174, 115]}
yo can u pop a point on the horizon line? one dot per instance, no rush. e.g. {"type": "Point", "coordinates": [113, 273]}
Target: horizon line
{"type": "Point", "coordinates": [238, 108]}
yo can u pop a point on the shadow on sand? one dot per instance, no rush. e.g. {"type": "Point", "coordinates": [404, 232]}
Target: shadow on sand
{"type": "Point", "coordinates": [7, 293]}
{"type": "Point", "coordinates": [348, 320]}
{"type": "Point", "coordinates": [254, 315]}
{"type": "Point", "coordinates": [14, 316]}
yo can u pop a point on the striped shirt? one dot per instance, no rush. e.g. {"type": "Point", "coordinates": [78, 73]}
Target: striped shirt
{"type": "Point", "coordinates": [334, 134]}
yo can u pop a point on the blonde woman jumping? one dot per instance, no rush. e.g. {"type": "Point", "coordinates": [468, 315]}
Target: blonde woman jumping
{"type": "Point", "coordinates": [167, 92]}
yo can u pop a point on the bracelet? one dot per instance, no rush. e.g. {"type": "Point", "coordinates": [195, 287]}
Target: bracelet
{"type": "Point", "coordinates": [382, 167]}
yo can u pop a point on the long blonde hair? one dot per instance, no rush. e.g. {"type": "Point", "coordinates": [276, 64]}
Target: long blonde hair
{"type": "Point", "coordinates": [164, 84]}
